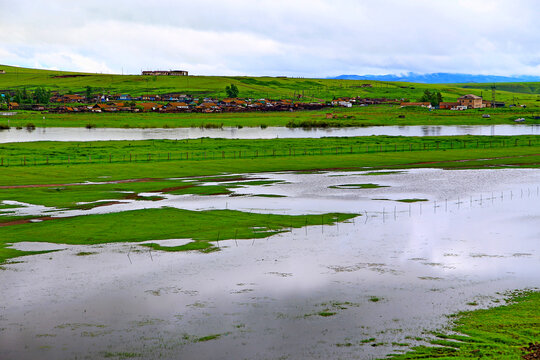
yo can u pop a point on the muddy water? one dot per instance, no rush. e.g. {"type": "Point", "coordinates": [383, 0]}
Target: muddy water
{"type": "Point", "coordinates": [101, 134]}
{"type": "Point", "coordinates": [390, 274]}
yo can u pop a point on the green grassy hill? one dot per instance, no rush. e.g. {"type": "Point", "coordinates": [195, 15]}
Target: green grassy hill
{"type": "Point", "coordinates": [254, 87]}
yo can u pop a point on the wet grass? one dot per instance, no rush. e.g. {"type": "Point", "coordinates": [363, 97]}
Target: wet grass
{"type": "Point", "coordinates": [209, 337]}
{"type": "Point", "coordinates": [158, 224]}
{"type": "Point", "coordinates": [269, 195]}
{"type": "Point", "coordinates": [326, 313]}
{"type": "Point", "coordinates": [496, 333]}
{"type": "Point", "coordinates": [357, 186]}
{"type": "Point", "coordinates": [411, 200]}
{"type": "Point", "coordinates": [85, 253]}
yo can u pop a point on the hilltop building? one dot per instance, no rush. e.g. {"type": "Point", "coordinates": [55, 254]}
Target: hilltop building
{"type": "Point", "coordinates": [166, 73]}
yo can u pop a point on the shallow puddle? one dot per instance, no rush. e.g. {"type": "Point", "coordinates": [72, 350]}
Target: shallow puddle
{"type": "Point", "coordinates": [317, 292]}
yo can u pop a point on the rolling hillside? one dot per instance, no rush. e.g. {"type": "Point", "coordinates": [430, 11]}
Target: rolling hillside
{"type": "Point", "coordinates": [253, 87]}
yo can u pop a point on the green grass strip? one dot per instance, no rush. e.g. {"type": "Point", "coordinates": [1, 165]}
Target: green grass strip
{"type": "Point", "coordinates": [496, 333]}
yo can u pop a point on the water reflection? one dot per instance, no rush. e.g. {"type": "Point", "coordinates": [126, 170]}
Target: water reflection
{"type": "Point", "coordinates": [389, 274]}
{"type": "Point", "coordinates": [99, 134]}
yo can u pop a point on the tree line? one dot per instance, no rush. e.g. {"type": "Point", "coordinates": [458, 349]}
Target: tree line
{"type": "Point", "coordinates": [39, 96]}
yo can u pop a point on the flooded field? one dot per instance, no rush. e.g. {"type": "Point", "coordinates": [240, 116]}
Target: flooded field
{"type": "Point", "coordinates": [102, 134]}
{"type": "Point", "coordinates": [426, 243]}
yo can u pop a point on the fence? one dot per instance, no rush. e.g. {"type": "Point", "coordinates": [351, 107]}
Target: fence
{"type": "Point", "coordinates": [200, 155]}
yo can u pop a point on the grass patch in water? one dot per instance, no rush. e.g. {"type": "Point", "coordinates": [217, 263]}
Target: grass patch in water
{"type": "Point", "coordinates": [209, 337]}
{"type": "Point", "coordinates": [158, 224]}
{"type": "Point", "coordinates": [411, 200]}
{"type": "Point", "coordinates": [496, 333]}
{"type": "Point", "coordinates": [121, 355]}
{"type": "Point", "coordinates": [85, 253]}
{"type": "Point", "coordinates": [195, 245]}
{"type": "Point", "coordinates": [326, 313]}
{"type": "Point", "coordinates": [357, 186]}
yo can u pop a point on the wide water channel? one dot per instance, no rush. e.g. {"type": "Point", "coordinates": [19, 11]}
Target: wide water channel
{"type": "Point", "coordinates": [97, 134]}
{"type": "Point", "coordinates": [357, 290]}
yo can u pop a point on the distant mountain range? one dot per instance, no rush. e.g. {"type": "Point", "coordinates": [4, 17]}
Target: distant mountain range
{"type": "Point", "coordinates": [441, 78]}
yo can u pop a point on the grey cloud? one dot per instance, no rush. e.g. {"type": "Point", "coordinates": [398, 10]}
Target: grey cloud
{"type": "Point", "coordinates": [289, 37]}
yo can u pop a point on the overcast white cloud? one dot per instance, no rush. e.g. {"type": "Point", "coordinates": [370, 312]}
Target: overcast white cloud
{"type": "Point", "coordinates": [311, 38]}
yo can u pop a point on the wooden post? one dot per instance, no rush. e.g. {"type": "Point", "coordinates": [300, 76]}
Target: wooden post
{"type": "Point", "coordinates": [110, 158]}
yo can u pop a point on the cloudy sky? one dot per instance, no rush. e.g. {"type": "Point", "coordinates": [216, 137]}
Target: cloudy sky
{"type": "Point", "coordinates": [310, 38]}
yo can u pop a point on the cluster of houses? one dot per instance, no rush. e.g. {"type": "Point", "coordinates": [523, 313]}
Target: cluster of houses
{"type": "Point", "coordinates": [206, 105]}
{"type": "Point", "coordinates": [464, 102]}
{"type": "Point", "coordinates": [176, 102]}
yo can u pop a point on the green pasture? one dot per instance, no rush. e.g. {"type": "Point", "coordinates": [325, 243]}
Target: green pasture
{"type": "Point", "coordinates": [205, 149]}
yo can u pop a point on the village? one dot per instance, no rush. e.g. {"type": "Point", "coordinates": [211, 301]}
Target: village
{"type": "Point", "coordinates": [178, 103]}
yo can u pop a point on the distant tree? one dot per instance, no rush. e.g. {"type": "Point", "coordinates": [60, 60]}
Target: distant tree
{"type": "Point", "coordinates": [18, 96]}
{"type": "Point", "coordinates": [432, 97]}
{"type": "Point", "coordinates": [25, 97]}
{"type": "Point", "coordinates": [232, 91]}
{"type": "Point", "coordinates": [88, 92]}
{"type": "Point", "coordinates": [41, 96]}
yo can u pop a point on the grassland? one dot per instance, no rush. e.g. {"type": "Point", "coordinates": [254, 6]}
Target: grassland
{"type": "Point", "coordinates": [497, 333]}
{"type": "Point", "coordinates": [204, 149]}
{"type": "Point", "coordinates": [253, 87]}
{"type": "Point", "coordinates": [304, 154]}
